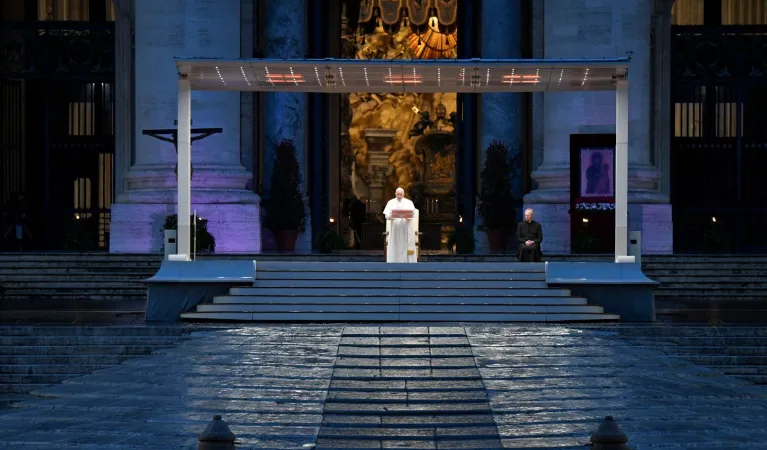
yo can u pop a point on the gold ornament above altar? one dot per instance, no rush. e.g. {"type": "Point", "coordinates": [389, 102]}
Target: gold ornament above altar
{"type": "Point", "coordinates": [418, 12]}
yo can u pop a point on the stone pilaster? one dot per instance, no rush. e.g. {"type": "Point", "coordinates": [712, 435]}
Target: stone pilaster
{"type": "Point", "coordinates": [502, 114]}
{"type": "Point", "coordinates": [596, 29]}
{"type": "Point", "coordinates": [164, 30]}
{"type": "Point", "coordinates": [123, 89]}
{"type": "Point", "coordinates": [285, 113]}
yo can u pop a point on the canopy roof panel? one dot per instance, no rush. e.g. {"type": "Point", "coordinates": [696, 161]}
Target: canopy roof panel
{"type": "Point", "coordinates": [417, 76]}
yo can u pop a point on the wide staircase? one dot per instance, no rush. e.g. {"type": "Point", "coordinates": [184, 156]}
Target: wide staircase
{"type": "Point", "coordinates": [709, 289]}
{"type": "Point", "coordinates": [32, 357]}
{"type": "Point", "coordinates": [74, 287]}
{"type": "Point", "coordinates": [376, 291]}
{"type": "Point", "coordinates": [740, 351]}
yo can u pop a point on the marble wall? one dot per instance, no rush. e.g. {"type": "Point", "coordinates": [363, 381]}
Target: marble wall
{"type": "Point", "coordinates": [164, 30]}
{"type": "Point", "coordinates": [598, 29]}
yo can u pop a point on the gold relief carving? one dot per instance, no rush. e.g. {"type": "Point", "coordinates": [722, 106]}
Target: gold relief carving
{"type": "Point", "coordinates": [418, 11]}
{"type": "Point", "coordinates": [447, 11]}
{"type": "Point", "coordinates": [399, 111]}
{"type": "Point", "coordinates": [390, 11]}
{"type": "Point", "coordinates": [366, 10]}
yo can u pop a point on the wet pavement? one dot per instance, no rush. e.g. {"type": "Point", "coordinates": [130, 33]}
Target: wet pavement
{"type": "Point", "coordinates": [459, 387]}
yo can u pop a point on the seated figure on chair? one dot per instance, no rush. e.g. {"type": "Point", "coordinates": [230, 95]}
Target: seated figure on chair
{"type": "Point", "coordinates": [401, 238]}
{"type": "Point", "coordinates": [529, 236]}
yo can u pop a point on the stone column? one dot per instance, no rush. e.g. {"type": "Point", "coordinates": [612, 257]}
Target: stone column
{"type": "Point", "coordinates": [503, 114]}
{"type": "Point", "coordinates": [123, 89]}
{"type": "Point", "coordinates": [604, 29]}
{"type": "Point", "coordinates": [285, 113]}
{"type": "Point", "coordinates": [164, 30]}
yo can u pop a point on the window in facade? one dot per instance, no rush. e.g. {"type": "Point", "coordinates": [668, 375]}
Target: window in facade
{"type": "Point", "coordinates": [734, 12]}
{"type": "Point", "coordinates": [690, 117]}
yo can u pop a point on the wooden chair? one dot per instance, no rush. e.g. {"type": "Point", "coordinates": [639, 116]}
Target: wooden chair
{"type": "Point", "coordinates": [418, 235]}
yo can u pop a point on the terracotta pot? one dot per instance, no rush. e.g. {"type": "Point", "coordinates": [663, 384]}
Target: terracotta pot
{"type": "Point", "coordinates": [497, 240]}
{"type": "Point", "coordinates": [286, 240]}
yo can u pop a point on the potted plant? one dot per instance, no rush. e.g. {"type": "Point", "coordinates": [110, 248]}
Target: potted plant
{"type": "Point", "coordinates": [495, 200]}
{"type": "Point", "coordinates": [461, 241]}
{"type": "Point", "coordinates": [205, 243]}
{"type": "Point", "coordinates": [328, 241]}
{"type": "Point", "coordinates": [285, 209]}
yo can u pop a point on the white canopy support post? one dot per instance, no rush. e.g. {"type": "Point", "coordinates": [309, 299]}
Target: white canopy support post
{"type": "Point", "coordinates": [184, 174]}
{"type": "Point", "coordinates": [621, 165]}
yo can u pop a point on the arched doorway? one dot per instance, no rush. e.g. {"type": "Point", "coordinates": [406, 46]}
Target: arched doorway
{"type": "Point", "coordinates": [718, 137]}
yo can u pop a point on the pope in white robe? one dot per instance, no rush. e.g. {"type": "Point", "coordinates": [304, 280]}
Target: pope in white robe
{"type": "Point", "coordinates": [401, 247]}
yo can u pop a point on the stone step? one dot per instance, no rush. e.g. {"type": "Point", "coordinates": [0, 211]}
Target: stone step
{"type": "Point", "coordinates": [704, 265]}
{"type": "Point", "coordinates": [359, 300]}
{"type": "Point", "coordinates": [718, 286]}
{"type": "Point", "coordinates": [77, 350]}
{"type": "Point", "coordinates": [400, 284]}
{"type": "Point", "coordinates": [456, 421]}
{"type": "Point", "coordinates": [375, 307]}
{"type": "Point", "coordinates": [19, 388]}
{"type": "Point", "coordinates": [368, 275]}
{"type": "Point", "coordinates": [690, 331]}
{"type": "Point", "coordinates": [51, 378]}
{"type": "Point", "coordinates": [711, 294]}
{"type": "Point", "coordinates": [716, 350]}
{"type": "Point", "coordinates": [56, 369]}
{"type": "Point", "coordinates": [18, 278]}
{"type": "Point", "coordinates": [410, 434]}
{"type": "Point", "coordinates": [756, 379]}
{"type": "Point", "coordinates": [52, 317]}
{"type": "Point", "coordinates": [102, 331]}
{"type": "Point", "coordinates": [710, 279]}
{"type": "Point", "coordinates": [724, 360]}
{"type": "Point", "coordinates": [115, 303]}
{"type": "Point", "coordinates": [397, 317]}
{"type": "Point", "coordinates": [743, 370]}
{"type": "Point", "coordinates": [467, 291]}
{"type": "Point", "coordinates": [383, 267]}
{"type": "Point", "coordinates": [92, 340]}
{"type": "Point", "coordinates": [62, 359]}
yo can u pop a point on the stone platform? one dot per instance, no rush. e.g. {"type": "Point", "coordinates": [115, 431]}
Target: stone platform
{"type": "Point", "coordinates": [449, 386]}
{"type": "Point", "coordinates": [294, 291]}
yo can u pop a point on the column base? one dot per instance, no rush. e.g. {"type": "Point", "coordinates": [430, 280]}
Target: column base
{"type": "Point", "coordinates": [656, 224]}
{"type": "Point", "coordinates": [555, 222]}
{"type": "Point", "coordinates": [136, 227]}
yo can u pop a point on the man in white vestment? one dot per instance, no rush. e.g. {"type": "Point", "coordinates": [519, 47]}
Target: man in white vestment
{"type": "Point", "coordinates": [401, 248]}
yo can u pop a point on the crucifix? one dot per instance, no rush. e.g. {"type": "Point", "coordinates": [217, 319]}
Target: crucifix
{"type": "Point", "coordinates": [171, 135]}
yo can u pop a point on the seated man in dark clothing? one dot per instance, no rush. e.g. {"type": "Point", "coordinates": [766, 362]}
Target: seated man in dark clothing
{"type": "Point", "coordinates": [529, 236]}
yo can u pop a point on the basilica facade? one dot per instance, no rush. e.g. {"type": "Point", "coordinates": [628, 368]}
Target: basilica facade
{"type": "Point", "coordinates": [86, 154]}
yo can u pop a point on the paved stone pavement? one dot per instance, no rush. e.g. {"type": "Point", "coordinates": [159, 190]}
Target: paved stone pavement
{"type": "Point", "coordinates": [293, 387]}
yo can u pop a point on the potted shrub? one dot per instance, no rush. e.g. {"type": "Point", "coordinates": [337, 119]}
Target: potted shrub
{"type": "Point", "coordinates": [461, 241]}
{"type": "Point", "coordinates": [495, 200]}
{"type": "Point", "coordinates": [328, 241]}
{"type": "Point", "coordinates": [285, 209]}
{"type": "Point", "coordinates": [206, 243]}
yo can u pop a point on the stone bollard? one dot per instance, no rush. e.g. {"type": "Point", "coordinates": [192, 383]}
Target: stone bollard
{"type": "Point", "coordinates": [216, 436]}
{"type": "Point", "coordinates": [609, 436]}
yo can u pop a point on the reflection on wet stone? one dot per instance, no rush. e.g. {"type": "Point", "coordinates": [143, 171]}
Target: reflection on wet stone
{"type": "Point", "coordinates": [438, 402]}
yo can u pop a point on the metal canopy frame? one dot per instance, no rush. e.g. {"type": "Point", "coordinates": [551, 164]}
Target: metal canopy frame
{"type": "Point", "coordinates": [333, 76]}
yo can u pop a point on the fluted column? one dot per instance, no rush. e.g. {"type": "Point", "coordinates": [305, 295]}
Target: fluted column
{"type": "Point", "coordinates": [191, 28]}
{"type": "Point", "coordinates": [285, 113]}
{"type": "Point", "coordinates": [503, 114]}
{"type": "Point", "coordinates": [626, 28]}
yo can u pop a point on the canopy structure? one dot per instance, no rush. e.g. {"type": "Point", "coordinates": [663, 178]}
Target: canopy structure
{"type": "Point", "coordinates": [477, 76]}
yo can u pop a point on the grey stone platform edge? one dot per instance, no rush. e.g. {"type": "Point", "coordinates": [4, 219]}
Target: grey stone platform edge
{"type": "Point", "coordinates": [180, 285]}
{"type": "Point", "coordinates": [620, 288]}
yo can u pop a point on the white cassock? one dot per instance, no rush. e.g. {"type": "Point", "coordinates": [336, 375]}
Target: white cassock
{"type": "Point", "coordinates": [401, 247]}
